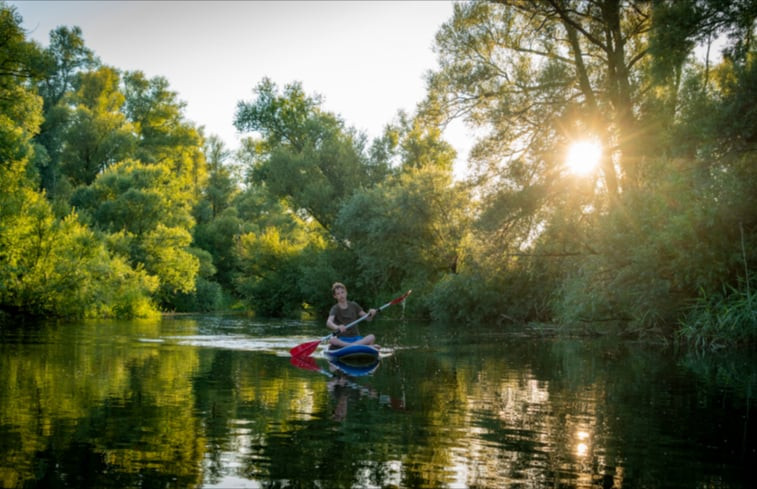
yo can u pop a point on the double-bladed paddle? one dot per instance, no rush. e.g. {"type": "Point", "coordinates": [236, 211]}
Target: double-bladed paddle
{"type": "Point", "coordinates": [305, 349]}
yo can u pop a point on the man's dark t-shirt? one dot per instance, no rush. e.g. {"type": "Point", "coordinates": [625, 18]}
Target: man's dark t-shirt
{"type": "Point", "coordinates": [346, 316]}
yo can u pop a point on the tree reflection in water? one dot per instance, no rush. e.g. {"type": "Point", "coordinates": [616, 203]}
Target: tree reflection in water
{"type": "Point", "coordinates": [127, 404]}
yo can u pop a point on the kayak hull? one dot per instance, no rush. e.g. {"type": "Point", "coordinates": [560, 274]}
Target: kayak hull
{"type": "Point", "coordinates": [353, 354]}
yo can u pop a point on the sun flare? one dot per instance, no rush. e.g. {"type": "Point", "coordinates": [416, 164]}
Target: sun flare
{"type": "Point", "coordinates": [583, 157]}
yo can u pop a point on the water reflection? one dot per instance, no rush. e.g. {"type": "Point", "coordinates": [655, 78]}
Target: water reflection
{"type": "Point", "coordinates": [216, 402]}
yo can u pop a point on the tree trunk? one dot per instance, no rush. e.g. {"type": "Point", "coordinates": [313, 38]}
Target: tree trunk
{"type": "Point", "coordinates": [597, 122]}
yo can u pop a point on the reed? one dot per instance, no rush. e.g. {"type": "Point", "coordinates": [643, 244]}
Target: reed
{"type": "Point", "coordinates": [726, 319]}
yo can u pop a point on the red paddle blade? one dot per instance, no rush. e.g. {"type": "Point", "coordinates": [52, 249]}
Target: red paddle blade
{"type": "Point", "coordinates": [400, 298]}
{"type": "Point", "coordinates": [305, 349]}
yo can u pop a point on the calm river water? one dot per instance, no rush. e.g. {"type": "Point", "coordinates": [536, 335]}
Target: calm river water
{"type": "Point", "coordinates": [214, 402]}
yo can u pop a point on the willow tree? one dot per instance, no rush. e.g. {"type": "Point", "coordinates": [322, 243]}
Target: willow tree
{"type": "Point", "coordinates": [406, 231]}
{"type": "Point", "coordinates": [98, 134]}
{"type": "Point", "coordinates": [306, 154]}
{"type": "Point", "coordinates": [66, 57]}
{"type": "Point", "coordinates": [48, 266]}
{"type": "Point", "coordinates": [163, 132]}
{"type": "Point", "coordinates": [146, 212]}
{"type": "Point", "coordinates": [532, 79]}
{"type": "Point", "coordinates": [657, 226]}
{"type": "Point", "coordinates": [535, 76]}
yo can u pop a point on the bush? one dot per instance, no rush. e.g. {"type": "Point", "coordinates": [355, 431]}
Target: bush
{"type": "Point", "coordinates": [207, 297]}
{"type": "Point", "coordinates": [721, 320]}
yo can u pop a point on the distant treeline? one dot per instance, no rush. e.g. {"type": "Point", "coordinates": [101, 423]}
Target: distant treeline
{"type": "Point", "coordinates": [114, 204]}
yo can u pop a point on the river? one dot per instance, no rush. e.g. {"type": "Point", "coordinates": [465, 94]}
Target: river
{"type": "Point", "coordinates": [215, 402]}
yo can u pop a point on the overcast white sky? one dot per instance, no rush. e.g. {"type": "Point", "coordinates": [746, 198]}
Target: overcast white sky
{"type": "Point", "coordinates": [367, 59]}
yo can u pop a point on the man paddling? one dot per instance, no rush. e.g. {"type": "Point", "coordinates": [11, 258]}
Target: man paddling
{"type": "Point", "coordinates": [345, 312]}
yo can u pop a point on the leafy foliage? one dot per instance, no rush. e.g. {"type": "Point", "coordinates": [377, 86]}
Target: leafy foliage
{"type": "Point", "coordinates": [726, 319]}
{"type": "Point", "coordinates": [270, 268]}
{"type": "Point", "coordinates": [116, 257]}
{"type": "Point", "coordinates": [112, 196]}
{"type": "Point", "coordinates": [98, 134]}
{"type": "Point", "coordinates": [630, 250]}
{"type": "Point", "coordinates": [306, 155]}
{"type": "Point", "coordinates": [147, 212]}
{"type": "Point", "coordinates": [406, 231]}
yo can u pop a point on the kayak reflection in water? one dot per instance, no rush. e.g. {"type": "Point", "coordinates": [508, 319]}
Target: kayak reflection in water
{"type": "Point", "coordinates": [345, 312]}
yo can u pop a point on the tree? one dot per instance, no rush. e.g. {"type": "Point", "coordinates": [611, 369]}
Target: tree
{"type": "Point", "coordinates": [536, 75]}
{"type": "Point", "coordinates": [65, 57]}
{"type": "Point", "coordinates": [147, 213]}
{"type": "Point", "coordinates": [163, 133]}
{"type": "Point", "coordinates": [269, 264]}
{"type": "Point", "coordinates": [48, 266]}
{"type": "Point", "coordinates": [221, 187]}
{"type": "Point", "coordinates": [98, 134]}
{"type": "Point", "coordinates": [218, 224]}
{"type": "Point", "coordinates": [306, 155]}
{"type": "Point", "coordinates": [407, 231]}
{"type": "Point", "coordinates": [533, 76]}
{"type": "Point", "coordinates": [62, 61]}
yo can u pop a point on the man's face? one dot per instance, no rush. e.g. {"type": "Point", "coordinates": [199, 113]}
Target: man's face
{"type": "Point", "coordinates": [340, 293]}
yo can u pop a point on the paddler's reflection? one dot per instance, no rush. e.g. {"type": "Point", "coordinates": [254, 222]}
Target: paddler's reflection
{"type": "Point", "coordinates": [341, 389]}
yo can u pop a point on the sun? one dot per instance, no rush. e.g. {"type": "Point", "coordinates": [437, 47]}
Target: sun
{"type": "Point", "coordinates": [583, 157]}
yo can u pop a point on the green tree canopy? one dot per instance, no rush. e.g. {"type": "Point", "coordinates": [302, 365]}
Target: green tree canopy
{"type": "Point", "coordinates": [305, 155]}
{"type": "Point", "coordinates": [164, 135]}
{"type": "Point", "coordinates": [407, 231]}
{"type": "Point", "coordinates": [63, 60]}
{"type": "Point", "coordinates": [537, 75]}
{"type": "Point", "coordinates": [48, 266]}
{"type": "Point", "coordinates": [147, 212]}
{"type": "Point", "coordinates": [98, 134]}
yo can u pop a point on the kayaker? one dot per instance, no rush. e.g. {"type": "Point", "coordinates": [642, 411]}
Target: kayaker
{"type": "Point", "coordinates": [344, 312]}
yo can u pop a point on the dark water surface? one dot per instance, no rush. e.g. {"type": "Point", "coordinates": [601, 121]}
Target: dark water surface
{"type": "Point", "coordinates": [214, 402]}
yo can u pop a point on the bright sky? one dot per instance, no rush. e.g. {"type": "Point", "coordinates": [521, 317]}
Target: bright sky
{"type": "Point", "coordinates": [367, 59]}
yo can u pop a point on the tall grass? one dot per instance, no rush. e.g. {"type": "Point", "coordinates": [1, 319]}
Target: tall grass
{"type": "Point", "coordinates": [726, 319]}
{"type": "Point", "coordinates": [723, 320]}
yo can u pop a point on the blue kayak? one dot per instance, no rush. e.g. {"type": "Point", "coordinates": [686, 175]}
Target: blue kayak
{"type": "Point", "coordinates": [353, 354]}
